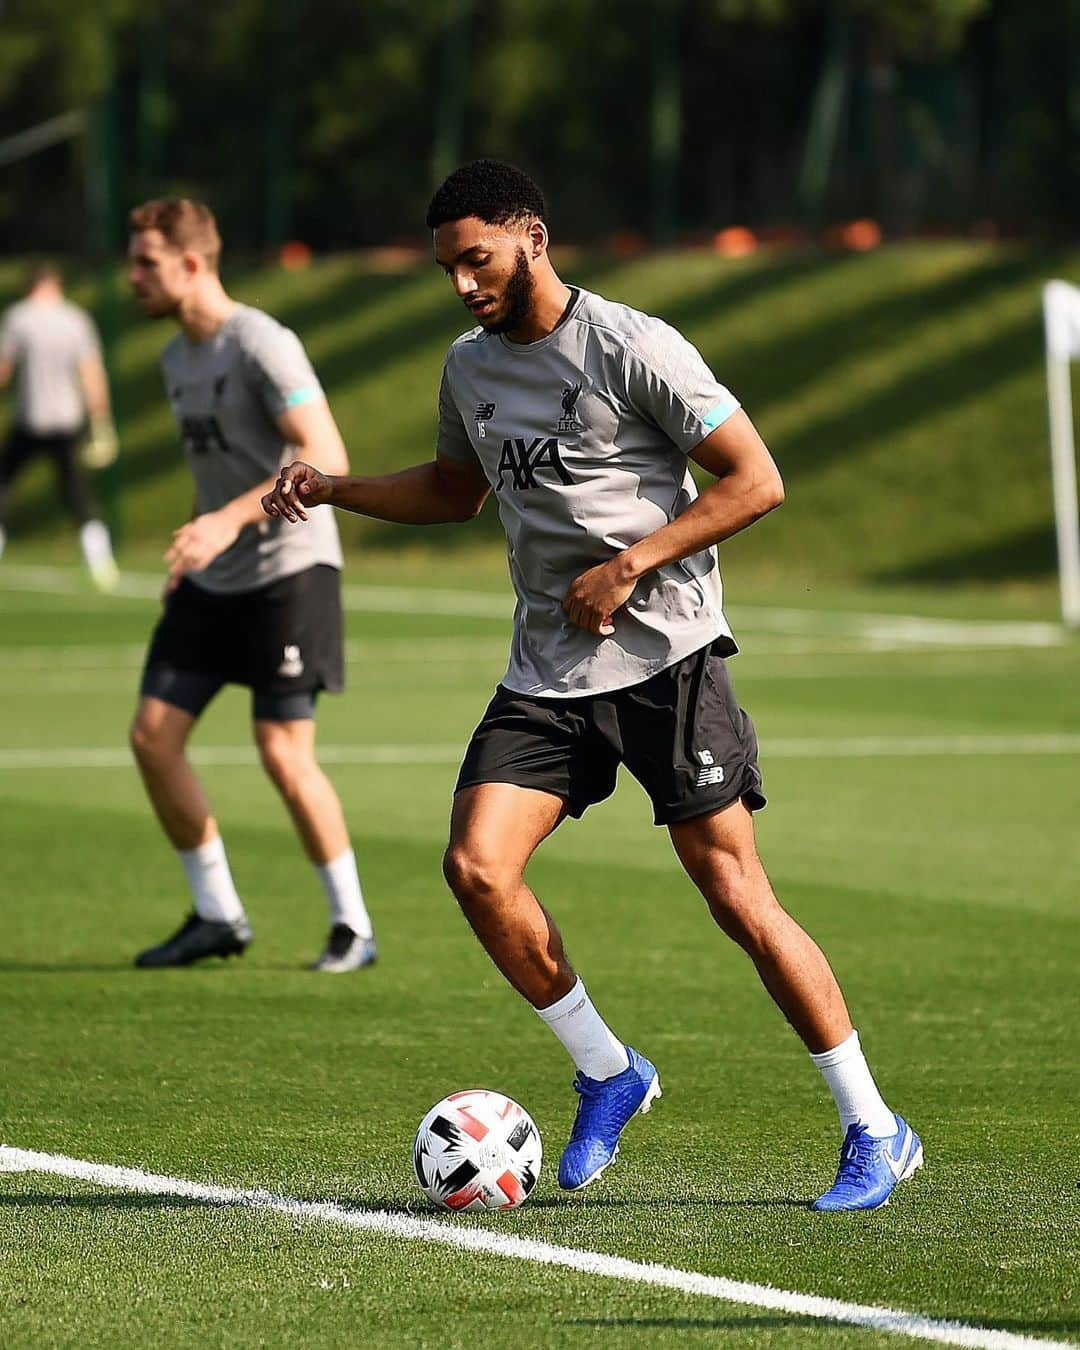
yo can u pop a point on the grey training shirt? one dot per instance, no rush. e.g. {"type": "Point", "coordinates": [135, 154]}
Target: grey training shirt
{"type": "Point", "coordinates": [584, 437]}
{"type": "Point", "coordinates": [46, 340]}
{"type": "Point", "coordinates": [226, 395]}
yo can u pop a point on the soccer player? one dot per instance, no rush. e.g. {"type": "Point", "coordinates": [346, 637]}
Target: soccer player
{"type": "Point", "coordinates": [579, 415]}
{"type": "Point", "coordinates": [50, 347]}
{"type": "Point", "coordinates": [247, 601]}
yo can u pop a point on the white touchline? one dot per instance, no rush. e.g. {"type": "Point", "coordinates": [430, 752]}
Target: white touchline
{"type": "Point", "coordinates": [824, 747]}
{"type": "Point", "coordinates": [453, 1234]}
{"type": "Point", "coordinates": [876, 629]}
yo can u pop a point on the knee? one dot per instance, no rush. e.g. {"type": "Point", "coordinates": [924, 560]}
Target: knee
{"type": "Point", "coordinates": [739, 898]}
{"type": "Point", "coordinates": [473, 874]}
{"type": "Point", "coordinates": [285, 767]}
{"type": "Point", "coordinates": [151, 744]}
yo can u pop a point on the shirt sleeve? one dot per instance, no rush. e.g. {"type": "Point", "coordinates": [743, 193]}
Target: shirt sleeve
{"type": "Point", "coordinates": [282, 373]}
{"type": "Point", "coordinates": [453, 439]}
{"type": "Point", "coordinates": [669, 384]}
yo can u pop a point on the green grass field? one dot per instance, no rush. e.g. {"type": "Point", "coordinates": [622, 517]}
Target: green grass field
{"type": "Point", "coordinates": [924, 794]}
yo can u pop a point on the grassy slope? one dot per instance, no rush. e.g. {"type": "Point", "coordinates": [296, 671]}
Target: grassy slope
{"type": "Point", "coordinates": [901, 391]}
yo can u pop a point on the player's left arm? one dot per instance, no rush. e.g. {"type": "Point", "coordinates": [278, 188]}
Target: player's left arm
{"type": "Point", "coordinates": [748, 485]}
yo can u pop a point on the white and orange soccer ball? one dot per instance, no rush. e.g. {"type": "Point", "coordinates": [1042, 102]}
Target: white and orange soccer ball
{"type": "Point", "coordinates": [477, 1150]}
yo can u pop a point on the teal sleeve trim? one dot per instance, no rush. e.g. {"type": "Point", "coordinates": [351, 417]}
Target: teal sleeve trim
{"type": "Point", "coordinates": [718, 415]}
{"type": "Point", "coordinates": [299, 397]}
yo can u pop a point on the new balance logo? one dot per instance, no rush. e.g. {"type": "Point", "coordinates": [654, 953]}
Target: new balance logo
{"type": "Point", "coordinates": [521, 459]}
{"type": "Point", "coordinates": [484, 411]}
{"type": "Point", "coordinates": [709, 777]}
{"type": "Point", "coordinates": [292, 663]}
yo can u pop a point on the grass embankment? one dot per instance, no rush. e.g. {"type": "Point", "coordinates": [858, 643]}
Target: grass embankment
{"type": "Point", "coordinates": [902, 392]}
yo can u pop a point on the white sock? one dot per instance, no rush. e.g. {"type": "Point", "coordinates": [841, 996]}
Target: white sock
{"type": "Point", "coordinates": [341, 882]}
{"type": "Point", "coordinates": [852, 1085]}
{"type": "Point", "coordinates": [96, 544]}
{"type": "Point", "coordinates": [588, 1039]}
{"type": "Point", "coordinates": [211, 882]}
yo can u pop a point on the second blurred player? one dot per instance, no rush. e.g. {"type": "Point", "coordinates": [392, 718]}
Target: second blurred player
{"type": "Point", "coordinates": [247, 602]}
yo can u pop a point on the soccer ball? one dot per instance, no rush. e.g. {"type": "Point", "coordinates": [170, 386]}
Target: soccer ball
{"type": "Point", "coordinates": [477, 1150]}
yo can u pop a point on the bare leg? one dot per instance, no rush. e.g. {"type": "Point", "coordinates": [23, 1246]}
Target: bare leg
{"type": "Point", "coordinates": [287, 750]}
{"type": "Point", "coordinates": [159, 736]}
{"type": "Point", "coordinates": [494, 830]}
{"type": "Point", "coordinates": [720, 856]}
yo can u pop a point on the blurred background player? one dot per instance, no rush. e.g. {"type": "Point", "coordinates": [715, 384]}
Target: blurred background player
{"type": "Point", "coordinates": [50, 348]}
{"type": "Point", "coordinates": [246, 602]}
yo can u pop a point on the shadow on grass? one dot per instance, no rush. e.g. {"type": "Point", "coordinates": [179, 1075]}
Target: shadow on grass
{"type": "Point", "coordinates": [1028, 555]}
{"type": "Point", "coordinates": [119, 1200]}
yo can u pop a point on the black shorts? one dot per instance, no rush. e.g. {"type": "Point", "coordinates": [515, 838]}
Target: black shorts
{"type": "Point", "coordinates": [284, 641]}
{"type": "Point", "coordinates": [681, 734]}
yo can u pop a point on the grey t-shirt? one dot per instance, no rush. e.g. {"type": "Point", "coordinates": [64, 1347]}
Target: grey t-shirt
{"type": "Point", "coordinates": [226, 395]}
{"type": "Point", "coordinates": [584, 437]}
{"type": "Point", "coordinates": [46, 340]}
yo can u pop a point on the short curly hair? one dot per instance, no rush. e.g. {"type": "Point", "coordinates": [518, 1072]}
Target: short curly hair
{"type": "Point", "coordinates": [494, 192]}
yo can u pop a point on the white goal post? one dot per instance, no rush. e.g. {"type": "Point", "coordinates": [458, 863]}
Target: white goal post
{"type": "Point", "coordinates": [1061, 314]}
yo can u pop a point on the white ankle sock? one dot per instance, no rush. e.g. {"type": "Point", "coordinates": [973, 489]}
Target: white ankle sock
{"type": "Point", "coordinates": [588, 1039]}
{"type": "Point", "coordinates": [96, 544]}
{"type": "Point", "coordinates": [852, 1085]}
{"type": "Point", "coordinates": [341, 882]}
{"type": "Point", "coordinates": [211, 882]}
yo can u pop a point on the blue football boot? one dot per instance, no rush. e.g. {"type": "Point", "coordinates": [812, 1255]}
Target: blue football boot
{"type": "Point", "coordinates": [871, 1169]}
{"type": "Point", "coordinates": [604, 1108]}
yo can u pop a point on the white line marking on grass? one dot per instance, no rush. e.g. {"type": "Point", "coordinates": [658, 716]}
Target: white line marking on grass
{"type": "Point", "coordinates": [888, 631]}
{"type": "Point", "coordinates": [453, 1234]}
{"type": "Point", "coordinates": [825, 747]}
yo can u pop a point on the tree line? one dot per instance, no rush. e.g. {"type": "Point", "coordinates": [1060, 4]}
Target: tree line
{"type": "Point", "coordinates": [330, 121]}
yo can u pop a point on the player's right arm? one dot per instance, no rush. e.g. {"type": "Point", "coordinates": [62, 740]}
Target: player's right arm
{"type": "Point", "coordinates": [436, 493]}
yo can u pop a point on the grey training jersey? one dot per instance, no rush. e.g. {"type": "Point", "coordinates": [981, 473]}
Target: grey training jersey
{"type": "Point", "coordinates": [226, 395]}
{"type": "Point", "coordinates": [46, 340]}
{"type": "Point", "coordinates": [584, 437]}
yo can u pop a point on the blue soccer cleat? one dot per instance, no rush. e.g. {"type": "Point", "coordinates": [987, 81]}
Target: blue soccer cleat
{"type": "Point", "coordinates": [871, 1169]}
{"type": "Point", "coordinates": [605, 1107]}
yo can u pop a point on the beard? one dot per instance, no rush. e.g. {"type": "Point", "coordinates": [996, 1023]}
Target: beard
{"type": "Point", "coordinates": [518, 297]}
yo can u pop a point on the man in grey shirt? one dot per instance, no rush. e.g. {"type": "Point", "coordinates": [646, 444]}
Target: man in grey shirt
{"type": "Point", "coordinates": [247, 602]}
{"type": "Point", "coordinates": [50, 348]}
{"type": "Point", "coordinates": [579, 416]}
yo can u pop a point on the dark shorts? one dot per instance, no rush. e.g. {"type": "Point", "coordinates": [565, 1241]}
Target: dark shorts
{"type": "Point", "coordinates": [283, 641]}
{"type": "Point", "coordinates": [681, 734]}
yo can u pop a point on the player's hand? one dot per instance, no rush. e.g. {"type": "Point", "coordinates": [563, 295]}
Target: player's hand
{"type": "Point", "coordinates": [196, 544]}
{"type": "Point", "coordinates": [298, 486]}
{"type": "Point", "coordinates": [594, 597]}
{"type": "Point", "coordinates": [101, 447]}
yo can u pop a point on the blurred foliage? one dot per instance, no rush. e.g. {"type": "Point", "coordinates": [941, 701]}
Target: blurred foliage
{"type": "Point", "coordinates": [326, 120]}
